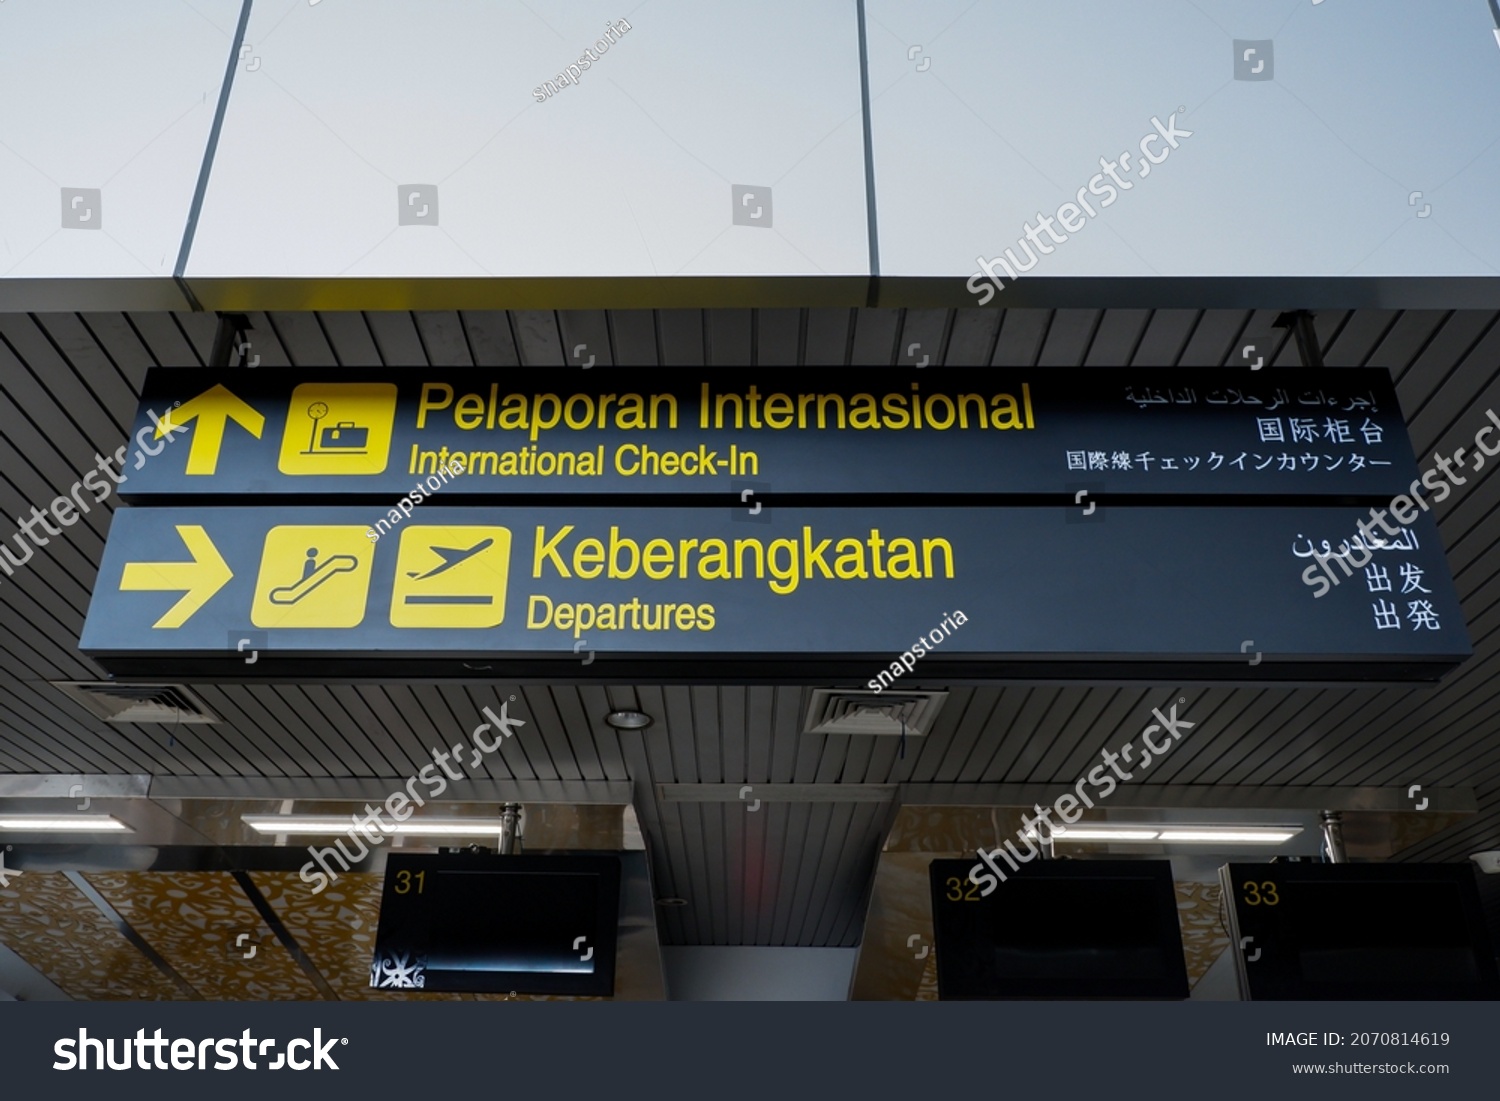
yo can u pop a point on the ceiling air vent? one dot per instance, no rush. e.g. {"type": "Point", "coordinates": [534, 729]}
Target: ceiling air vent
{"type": "Point", "coordinates": [834, 711]}
{"type": "Point", "coordinates": [138, 703]}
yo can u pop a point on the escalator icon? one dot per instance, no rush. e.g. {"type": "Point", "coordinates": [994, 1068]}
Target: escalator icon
{"type": "Point", "coordinates": [313, 576]}
{"type": "Point", "coordinates": [314, 573]}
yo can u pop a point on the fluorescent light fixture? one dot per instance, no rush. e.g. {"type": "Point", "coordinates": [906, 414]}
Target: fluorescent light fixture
{"type": "Point", "coordinates": [1240, 835]}
{"type": "Point", "coordinates": [73, 823]}
{"type": "Point", "coordinates": [1165, 834]}
{"type": "Point", "coordinates": [342, 823]}
{"type": "Point", "coordinates": [1089, 833]}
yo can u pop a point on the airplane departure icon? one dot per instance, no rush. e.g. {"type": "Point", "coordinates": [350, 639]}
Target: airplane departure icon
{"type": "Point", "coordinates": [451, 556]}
{"type": "Point", "coordinates": [451, 576]}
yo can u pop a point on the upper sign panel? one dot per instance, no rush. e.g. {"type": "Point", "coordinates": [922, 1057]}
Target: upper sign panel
{"type": "Point", "coordinates": [549, 139]}
{"type": "Point", "coordinates": [408, 435]}
{"type": "Point", "coordinates": [1267, 139]}
{"type": "Point", "coordinates": [107, 112]}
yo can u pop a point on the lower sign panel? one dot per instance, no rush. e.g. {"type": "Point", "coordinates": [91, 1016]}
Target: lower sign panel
{"type": "Point", "coordinates": [802, 595]}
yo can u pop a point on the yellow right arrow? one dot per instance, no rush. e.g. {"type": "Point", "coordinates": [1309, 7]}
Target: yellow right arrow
{"type": "Point", "coordinates": [213, 409]}
{"type": "Point", "coordinates": [199, 579]}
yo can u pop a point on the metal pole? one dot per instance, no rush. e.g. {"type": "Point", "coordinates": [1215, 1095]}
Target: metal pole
{"type": "Point", "coordinates": [227, 336]}
{"type": "Point", "coordinates": [510, 815]}
{"type": "Point", "coordinates": [1333, 837]}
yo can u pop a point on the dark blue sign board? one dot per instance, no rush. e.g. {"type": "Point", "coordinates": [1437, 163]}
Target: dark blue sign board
{"type": "Point", "coordinates": [872, 432]}
{"type": "Point", "coordinates": [676, 595]}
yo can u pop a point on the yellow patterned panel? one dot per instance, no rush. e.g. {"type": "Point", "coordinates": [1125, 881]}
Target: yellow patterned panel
{"type": "Point", "coordinates": [192, 918]}
{"type": "Point", "coordinates": [952, 829]}
{"type": "Point", "coordinates": [1203, 935]}
{"type": "Point", "coordinates": [336, 928]}
{"type": "Point", "coordinates": [927, 987]}
{"type": "Point", "coordinates": [53, 926]}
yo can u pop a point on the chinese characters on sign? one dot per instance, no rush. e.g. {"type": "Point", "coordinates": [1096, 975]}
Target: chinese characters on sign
{"type": "Point", "coordinates": [1387, 617]}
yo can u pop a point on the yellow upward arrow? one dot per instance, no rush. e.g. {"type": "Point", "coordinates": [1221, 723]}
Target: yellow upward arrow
{"type": "Point", "coordinates": [213, 409]}
{"type": "Point", "coordinates": [205, 575]}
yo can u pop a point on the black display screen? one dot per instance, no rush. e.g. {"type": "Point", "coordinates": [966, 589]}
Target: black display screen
{"type": "Point", "coordinates": [495, 924]}
{"type": "Point", "coordinates": [1357, 931]}
{"type": "Point", "coordinates": [1070, 929]}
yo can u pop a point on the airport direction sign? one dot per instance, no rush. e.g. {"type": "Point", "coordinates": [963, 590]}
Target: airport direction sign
{"type": "Point", "coordinates": [1162, 434]}
{"type": "Point", "coordinates": [817, 594]}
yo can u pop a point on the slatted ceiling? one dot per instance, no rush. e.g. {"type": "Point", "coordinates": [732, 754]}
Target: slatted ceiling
{"type": "Point", "coordinates": [85, 419]}
{"type": "Point", "coordinates": [678, 337]}
{"type": "Point", "coordinates": [1218, 768]}
{"type": "Point", "coordinates": [1359, 336]}
{"type": "Point", "coordinates": [1327, 755]}
{"type": "Point", "coordinates": [1452, 415]}
{"type": "Point", "coordinates": [1161, 339]}
{"type": "Point", "coordinates": [1267, 718]}
{"type": "Point", "coordinates": [562, 761]}
{"type": "Point", "coordinates": [1047, 750]}
{"type": "Point", "coordinates": [1440, 360]}
{"type": "Point", "coordinates": [490, 337]}
{"type": "Point", "coordinates": [875, 334]}
{"type": "Point", "coordinates": [347, 333]}
{"type": "Point", "coordinates": [262, 707]}
{"type": "Point", "coordinates": [302, 337]}
{"type": "Point", "coordinates": [264, 342]}
{"type": "Point", "coordinates": [1209, 708]}
{"type": "Point", "coordinates": [972, 336]}
{"type": "Point", "coordinates": [118, 342]}
{"type": "Point", "coordinates": [777, 334]}
{"type": "Point", "coordinates": [1212, 336]}
{"type": "Point", "coordinates": [1296, 734]}
{"type": "Point", "coordinates": [1463, 752]}
{"type": "Point", "coordinates": [1064, 337]}
{"type": "Point", "coordinates": [929, 328]}
{"type": "Point", "coordinates": [728, 333]}
{"type": "Point", "coordinates": [1020, 337]}
{"type": "Point", "coordinates": [1235, 728]}
{"type": "Point", "coordinates": [1114, 340]}
{"type": "Point", "coordinates": [199, 330]}
{"type": "Point", "coordinates": [537, 338]}
{"type": "Point", "coordinates": [829, 331]}
{"type": "Point", "coordinates": [1430, 726]}
{"type": "Point", "coordinates": [632, 338]}
{"type": "Point", "coordinates": [395, 334]}
{"type": "Point", "coordinates": [1401, 345]}
{"type": "Point", "coordinates": [26, 742]}
{"type": "Point", "coordinates": [77, 346]}
{"type": "Point", "coordinates": [257, 744]}
{"type": "Point", "coordinates": [444, 342]}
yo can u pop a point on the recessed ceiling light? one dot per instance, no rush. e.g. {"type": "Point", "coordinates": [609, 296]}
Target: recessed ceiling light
{"type": "Point", "coordinates": [628, 720]}
{"type": "Point", "coordinates": [341, 823]}
{"type": "Point", "coordinates": [72, 823]}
